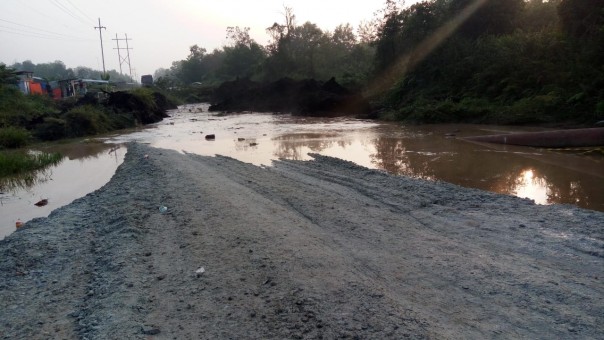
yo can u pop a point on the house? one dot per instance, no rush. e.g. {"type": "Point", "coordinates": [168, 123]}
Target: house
{"type": "Point", "coordinates": [29, 84]}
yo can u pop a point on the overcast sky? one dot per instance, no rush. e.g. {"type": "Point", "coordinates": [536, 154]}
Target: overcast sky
{"type": "Point", "coordinates": [161, 31]}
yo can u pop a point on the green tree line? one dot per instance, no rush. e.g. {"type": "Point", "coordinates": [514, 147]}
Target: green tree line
{"type": "Point", "coordinates": [504, 61]}
{"type": "Point", "coordinates": [57, 70]}
{"type": "Point", "coordinates": [493, 61]}
{"type": "Point", "coordinates": [296, 51]}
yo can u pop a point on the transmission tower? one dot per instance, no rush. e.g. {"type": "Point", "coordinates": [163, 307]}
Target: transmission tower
{"type": "Point", "coordinates": [125, 59]}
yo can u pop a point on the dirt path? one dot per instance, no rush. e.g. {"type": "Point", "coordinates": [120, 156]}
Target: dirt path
{"type": "Point", "coordinates": [321, 249]}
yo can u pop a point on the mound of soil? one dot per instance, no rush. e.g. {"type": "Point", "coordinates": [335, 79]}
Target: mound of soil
{"type": "Point", "coordinates": [304, 97]}
{"type": "Point", "coordinates": [144, 112]}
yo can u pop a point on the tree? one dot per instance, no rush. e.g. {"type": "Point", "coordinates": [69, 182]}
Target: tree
{"type": "Point", "coordinates": [366, 32]}
{"type": "Point", "coordinates": [86, 73]}
{"type": "Point", "coordinates": [243, 56]}
{"type": "Point", "coordinates": [305, 42]}
{"type": "Point", "coordinates": [490, 17]}
{"type": "Point", "coordinates": [192, 69]}
{"type": "Point", "coordinates": [343, 36]}
{"type": "Point", "coordinates": [53, 71]}
{"type": "Point", "coordinates": [582, 18]}
{"type": "Point", "coordinates": [27, 65]}
{"type": "Point", "coordinates": [7, 75]}
{"type": "Point", "coordinates": [280, 56]}
{"type": "Point", "coordinates": [539, 15]}
{"type": "Point", "coordinates": [388, 29]}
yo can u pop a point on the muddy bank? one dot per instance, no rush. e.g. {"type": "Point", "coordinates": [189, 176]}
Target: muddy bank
{"type": "Point", "coordinates": [89, 115]}
{"type": "Point", "coordinates": [303, 97]}
{"type": "Point", "coordinates": [301, 250]}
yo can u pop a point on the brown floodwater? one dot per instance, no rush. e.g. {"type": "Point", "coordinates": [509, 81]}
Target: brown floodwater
{"type": "Point", "coordinates": [433, 152]}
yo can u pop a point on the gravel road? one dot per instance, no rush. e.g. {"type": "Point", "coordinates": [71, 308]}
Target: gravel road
{"type": "Point", "coordinates": [316, 249]}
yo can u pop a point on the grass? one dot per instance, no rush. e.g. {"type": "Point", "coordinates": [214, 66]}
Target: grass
{"type": "Point", "coordinates": [15, 163]}
{"type": "Point", "coordinates": [13, 137]}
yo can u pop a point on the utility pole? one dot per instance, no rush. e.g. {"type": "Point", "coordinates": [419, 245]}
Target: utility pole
{"type": "Point", "coordinates": [102, 51]}
{"type": "Point", "coordinates": [125, 59]}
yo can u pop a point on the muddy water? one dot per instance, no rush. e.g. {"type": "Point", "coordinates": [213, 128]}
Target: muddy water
{"type": "Point", "coordinates": [85, 168]}
{"type": "Point", "coordinates": [434, 152]}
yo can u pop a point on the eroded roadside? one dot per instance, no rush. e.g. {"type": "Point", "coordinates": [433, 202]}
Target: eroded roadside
{"type": "Point", "coordinates": [299, 250]}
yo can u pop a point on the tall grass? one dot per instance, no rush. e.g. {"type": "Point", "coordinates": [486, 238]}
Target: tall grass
{"type": "Point", "coordinates": [14, 163]}
{"type": "Point", "coordinates": [145, 98]}
{"type": "Point", "coordinates": [13, 137]}
{"type": "Point", "coordinates": [86, 120]}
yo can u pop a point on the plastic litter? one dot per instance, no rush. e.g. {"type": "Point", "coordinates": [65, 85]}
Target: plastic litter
{"type": "Point", "coordinates": [18, 224]}
{"type": "Point", "coordinates": [41, 202]}
{"type": "Point", "coordinates": [163, 209]}
{"type": "Point", "coordinates": [200, 271]}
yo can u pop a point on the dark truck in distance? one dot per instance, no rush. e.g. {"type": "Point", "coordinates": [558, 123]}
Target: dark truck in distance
{"type": "Point", "coordinates": [147, 80]}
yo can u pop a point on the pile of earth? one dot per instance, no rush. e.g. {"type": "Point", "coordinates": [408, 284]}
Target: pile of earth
{"type": "Point", "coordinates": [90, 115]}
{"type": "Point", "coordinates": [145, 112]}
{"type": "Point", "coordinates": [307, 97]}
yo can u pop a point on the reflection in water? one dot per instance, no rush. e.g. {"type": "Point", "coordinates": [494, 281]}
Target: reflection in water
{"type": "Point", "coordinates": [297, 145]}
{"type": "Point", "coordinates": [527, 184]}
{"type": "Point", "coordinates": [28, 179]}
{"type": "Point", "coordinates": [428, 153]}
{"type": "Point", "coordinates": [391, 156]}
{"type": "Point", "coordinates": [25, 181]}
{"type": "Point", "coordinates": [86, 168]}
{"type": "Point", "coordinates": [539, 174]}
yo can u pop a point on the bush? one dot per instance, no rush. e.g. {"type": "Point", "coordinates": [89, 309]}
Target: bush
{"type": "Point", "coordinates": [12, 137]}
{"type": "Point", "coordinates": [600, 110]}
{"type": "Point", "coordinates": [51, 129]}
{"type": "Point", "coordinates": [86, 120]}
{"type": "Point", "coordinates": [145, 97]}
{"type": "Point", "coordinates": [17, 109]}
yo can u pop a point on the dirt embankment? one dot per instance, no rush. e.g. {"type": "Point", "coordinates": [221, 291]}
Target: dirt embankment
{"type": "Point", "coordinates": [320, 249]}
{"type": "Point", "coordinates": [307, 97]}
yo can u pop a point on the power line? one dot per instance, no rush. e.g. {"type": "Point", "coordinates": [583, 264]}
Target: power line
{"type": "Point", "coordinates": [23, 3]}
{"type": "Point", "coordinates": [32, 34]}
{"type": "Point", "coordinates": [74, 6]}
{"type": "Point", "coordinates": [12, 30]}
{"type": "Point", "coordinates": [42, 15]}
{"type": "Point", "coordinates": [67, 11]}
{"type": "Point", "coordinates": [42, 30]}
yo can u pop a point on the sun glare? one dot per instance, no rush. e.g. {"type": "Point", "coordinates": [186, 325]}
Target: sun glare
{"type": "Point", "coordinates": [410, 60]}
{"type": "Point", "coordinates": [531, 186]}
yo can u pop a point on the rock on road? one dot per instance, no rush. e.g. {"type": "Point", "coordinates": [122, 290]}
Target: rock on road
{"type": "Point", "coordinates": [316, 249]}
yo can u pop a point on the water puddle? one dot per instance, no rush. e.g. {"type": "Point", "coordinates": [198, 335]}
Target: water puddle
{"type": "Point", "coordinates": [433, 152]}
{"type": "Point", "coordinates": [85, 168]}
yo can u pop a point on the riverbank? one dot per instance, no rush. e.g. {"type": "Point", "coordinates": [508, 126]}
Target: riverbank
{"type": "Point", "coordinates": [300, 250]}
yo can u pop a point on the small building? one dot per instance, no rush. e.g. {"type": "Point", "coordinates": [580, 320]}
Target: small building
{"type": "Point", "coordinates": [28, 84]}
{"type": "Point", "coordinates": [25, 80]}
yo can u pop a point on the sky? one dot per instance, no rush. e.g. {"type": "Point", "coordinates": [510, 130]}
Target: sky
{"type": "Point", "coordinates": [160, 31]}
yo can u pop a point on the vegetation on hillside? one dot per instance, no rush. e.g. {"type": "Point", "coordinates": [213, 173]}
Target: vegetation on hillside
{"type": "Point", "coordinates": [28, 118]}
{"type": "Point", "coordinates": [490, 61]}
{"type": "Point", "coordinates": [510, 62]}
